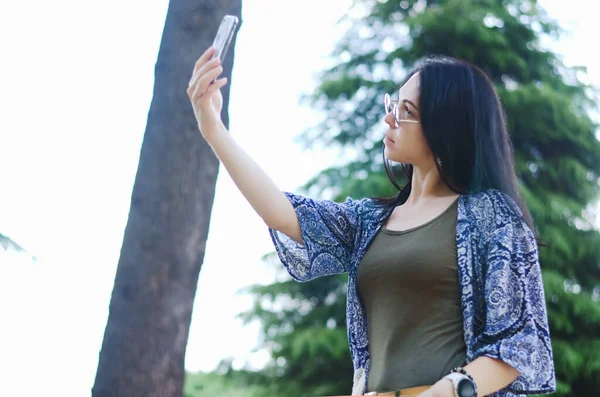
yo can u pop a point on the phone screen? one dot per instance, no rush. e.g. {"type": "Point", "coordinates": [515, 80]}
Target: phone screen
{"type": "Point", "coordinates": [224, 36]}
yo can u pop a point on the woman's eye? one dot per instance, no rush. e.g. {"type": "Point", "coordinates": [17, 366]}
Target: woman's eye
{"type": "Point", "coordinates": [407, 110]}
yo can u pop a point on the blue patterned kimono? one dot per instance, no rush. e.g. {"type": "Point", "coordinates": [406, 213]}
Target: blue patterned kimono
{"type": "Point", "coordinates": [502, 295]}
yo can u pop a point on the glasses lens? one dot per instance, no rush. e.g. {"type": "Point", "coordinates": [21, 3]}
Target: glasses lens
{"type": "Point", "coordinates": [387, 101]}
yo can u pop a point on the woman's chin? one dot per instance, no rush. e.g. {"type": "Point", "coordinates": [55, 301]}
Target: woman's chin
{"type": "Point", "coordinates": [389, 153]}
{"type": "Point", "coordinates": [393, 155]}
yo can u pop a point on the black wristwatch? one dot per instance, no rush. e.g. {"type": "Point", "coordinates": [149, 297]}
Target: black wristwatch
{"type": "Point", "coordinates": [464, 386]}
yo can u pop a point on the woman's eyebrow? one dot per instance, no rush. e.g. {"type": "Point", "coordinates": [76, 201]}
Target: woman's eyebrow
{"type": "Point", "coordinates": [408, 101]}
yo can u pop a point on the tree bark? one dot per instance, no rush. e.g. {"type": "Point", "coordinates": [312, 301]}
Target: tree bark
{"type": "Point", "coordinates": [143, 351]}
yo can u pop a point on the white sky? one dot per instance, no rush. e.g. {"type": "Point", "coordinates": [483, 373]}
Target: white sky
{"type": "Point", "coordinates": [75, 85]}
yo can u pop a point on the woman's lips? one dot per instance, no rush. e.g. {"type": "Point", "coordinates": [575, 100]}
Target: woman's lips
{"type": "Point", "coordinates": [387, 138]}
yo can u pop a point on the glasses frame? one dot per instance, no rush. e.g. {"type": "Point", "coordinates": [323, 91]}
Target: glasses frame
{"type": "Point", "coordinates": [389, 102]}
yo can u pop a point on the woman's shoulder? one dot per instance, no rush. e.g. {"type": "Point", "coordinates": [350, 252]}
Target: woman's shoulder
{"type": "Point", "coordinates": [491, 211]}
{"type": "Point", "coordinates": [492, 201]}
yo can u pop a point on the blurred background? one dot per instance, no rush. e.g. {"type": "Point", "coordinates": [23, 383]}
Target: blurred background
{"type": "Point", "coordinates": [305, 101]}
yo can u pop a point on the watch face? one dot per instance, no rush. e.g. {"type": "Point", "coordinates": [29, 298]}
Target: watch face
{"type": "Point", "coordinates": [466, 388]}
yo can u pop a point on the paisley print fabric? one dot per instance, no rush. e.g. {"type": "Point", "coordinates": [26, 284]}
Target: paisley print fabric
{"type": "Point", "coordinates": [502, 295]}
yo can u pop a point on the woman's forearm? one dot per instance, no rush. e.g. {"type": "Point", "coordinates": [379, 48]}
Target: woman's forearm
{"type": "Point", "coordinates": [489, 374]}
{"type": "Point", "coordinates": [269, 202]}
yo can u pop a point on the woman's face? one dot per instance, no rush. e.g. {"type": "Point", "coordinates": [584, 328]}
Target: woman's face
{"type": "Point", "coordinates": [404, 142]}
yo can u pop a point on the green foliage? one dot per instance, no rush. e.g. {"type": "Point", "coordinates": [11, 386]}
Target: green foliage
{"type": "Point", "coordinates": [304, 328]}
{"type": "Point", "coordinates": [217, 384]}
{"type": "Point", "coordinates": [557, 158]}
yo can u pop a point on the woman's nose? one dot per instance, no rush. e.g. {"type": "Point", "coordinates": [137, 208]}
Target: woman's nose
{"type": "Point", "coordinates": [390, 120]}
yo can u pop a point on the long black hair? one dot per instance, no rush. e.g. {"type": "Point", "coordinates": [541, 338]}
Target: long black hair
{"type": "Point", "coordinates": [464, 125]}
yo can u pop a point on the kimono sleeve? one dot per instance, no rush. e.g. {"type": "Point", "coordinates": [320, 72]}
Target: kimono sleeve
{"type": "Point", "coordinates": [328, 232]}
{"type": "Point", "coordinates": [516, 327]}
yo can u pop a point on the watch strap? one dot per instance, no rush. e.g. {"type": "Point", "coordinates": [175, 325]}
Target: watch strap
{"type": "Point", "coordinates": [456, 377]}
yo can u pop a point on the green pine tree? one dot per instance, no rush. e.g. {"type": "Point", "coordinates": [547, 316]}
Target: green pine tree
{"type": "Point", "coordinates": [557, 159]}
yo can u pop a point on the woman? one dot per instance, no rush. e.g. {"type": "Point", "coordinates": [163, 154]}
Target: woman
{"type": "Point", "coordinates": [445, 295]}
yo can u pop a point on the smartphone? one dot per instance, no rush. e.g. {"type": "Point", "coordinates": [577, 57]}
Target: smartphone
{"type": "Point", "coordinates": [224, 35]}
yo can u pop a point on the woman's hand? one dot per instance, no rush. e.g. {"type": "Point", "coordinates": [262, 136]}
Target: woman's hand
{"type": "Point", "coordinates": [205, 95]}
{"type": "Point", "coordinates": [442, 388]}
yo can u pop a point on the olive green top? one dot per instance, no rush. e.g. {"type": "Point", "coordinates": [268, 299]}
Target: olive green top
{"type": "Point", "coordinates": [408, 281]}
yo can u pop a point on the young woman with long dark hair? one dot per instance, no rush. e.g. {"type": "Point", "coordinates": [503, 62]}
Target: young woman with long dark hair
{"type": "Point", "coordinates": [445, 294]}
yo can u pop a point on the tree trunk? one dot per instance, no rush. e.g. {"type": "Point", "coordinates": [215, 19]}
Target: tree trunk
{"type": "Point", "coordinates": [143, 351]}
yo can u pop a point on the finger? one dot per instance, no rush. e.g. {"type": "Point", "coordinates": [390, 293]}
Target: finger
{"type": "Point", "coordinates": [215, 86]}
{"type": "Point", "coordinates": [201, 81]}
{"type": "Point", "coordinates": [203, 86]}
{"type": "Point", "coordinates": [198, 96]}
{"type": "Point", "coordinates": [213, 63]}
{"type": "Point", "coordinates": [204, 58]}
{"type": "Point", "coordinates": [207, 95]}
{"type": "Point", "coordinates": [204, 81]}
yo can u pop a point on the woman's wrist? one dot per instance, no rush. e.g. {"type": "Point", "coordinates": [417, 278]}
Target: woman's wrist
{"type": "Point", "coordinates": [442, 388]}
{"type": "Point", "coordinates": [218, 136]}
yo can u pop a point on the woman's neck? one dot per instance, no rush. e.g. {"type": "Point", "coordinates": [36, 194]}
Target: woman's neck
{"type": "Point", "coordinates": [427, 184]}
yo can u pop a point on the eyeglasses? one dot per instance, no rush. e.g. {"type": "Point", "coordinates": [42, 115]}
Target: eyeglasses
{"type": "Point", "coordinates": [391, 106]}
